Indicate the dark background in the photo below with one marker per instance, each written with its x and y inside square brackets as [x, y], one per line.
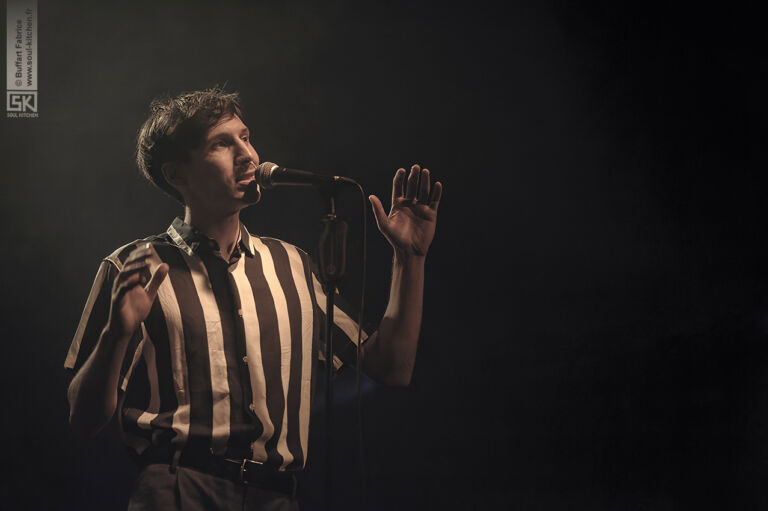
[595, 320]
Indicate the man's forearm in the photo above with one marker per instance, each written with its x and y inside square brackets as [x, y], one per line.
[93, 392]
[389, 356]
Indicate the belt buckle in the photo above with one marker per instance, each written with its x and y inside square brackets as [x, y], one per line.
[243, 464]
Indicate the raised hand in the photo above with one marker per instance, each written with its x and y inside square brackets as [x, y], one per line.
[132, 295]
[410, 225]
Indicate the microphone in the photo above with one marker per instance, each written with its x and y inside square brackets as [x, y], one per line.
[269, 175]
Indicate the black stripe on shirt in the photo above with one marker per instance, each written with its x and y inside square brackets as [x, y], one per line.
[195, 348]
[157, 329]
[285, 277]
[136, 401]
[270, 352]
[219, 277]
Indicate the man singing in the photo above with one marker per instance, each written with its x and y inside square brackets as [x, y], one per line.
[205, 337]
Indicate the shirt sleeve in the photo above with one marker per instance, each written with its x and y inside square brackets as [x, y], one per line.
[94, 319]
[345, 328]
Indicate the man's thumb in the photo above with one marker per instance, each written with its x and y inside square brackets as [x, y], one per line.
[378, 210]
[157, 278]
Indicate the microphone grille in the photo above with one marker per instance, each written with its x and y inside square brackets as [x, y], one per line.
[265, 166]
[264, 173]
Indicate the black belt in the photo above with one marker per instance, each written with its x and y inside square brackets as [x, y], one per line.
[242, 471]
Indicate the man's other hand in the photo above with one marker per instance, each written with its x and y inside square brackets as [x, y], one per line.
[132, 295]
[410, 225]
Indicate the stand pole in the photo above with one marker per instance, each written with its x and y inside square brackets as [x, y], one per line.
[328, 398]
[332, 262]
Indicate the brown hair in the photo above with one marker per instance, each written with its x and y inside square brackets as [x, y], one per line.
[177, 125]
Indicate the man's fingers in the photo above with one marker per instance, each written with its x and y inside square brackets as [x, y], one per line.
[397, 184]
[139, 268]
[141, 252]
[142, 263]
[378, 211]
[437, 192]
[157, 278]
[424, 187]
[413, 181]
[126, 285]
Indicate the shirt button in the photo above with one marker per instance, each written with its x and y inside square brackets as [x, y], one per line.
[252, 407]
[245, 359]
[240, 312]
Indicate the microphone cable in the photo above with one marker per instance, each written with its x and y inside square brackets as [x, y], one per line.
[358, 363]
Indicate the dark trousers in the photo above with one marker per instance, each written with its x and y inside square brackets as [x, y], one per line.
[158, 489]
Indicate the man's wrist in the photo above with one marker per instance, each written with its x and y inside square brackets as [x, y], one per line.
[408, 259]
[115, 334]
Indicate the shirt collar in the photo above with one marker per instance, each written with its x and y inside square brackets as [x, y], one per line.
[190, 239]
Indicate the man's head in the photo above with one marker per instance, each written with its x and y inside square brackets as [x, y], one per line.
[196, 148]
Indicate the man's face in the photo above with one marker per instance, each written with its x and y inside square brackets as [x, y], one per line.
[218, 173]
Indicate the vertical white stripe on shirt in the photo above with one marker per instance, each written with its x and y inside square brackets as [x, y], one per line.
[136, 357]
[172, 314]
[154, 389]
[307, 330]
[255, 365]
[284, 331]
[216, 357]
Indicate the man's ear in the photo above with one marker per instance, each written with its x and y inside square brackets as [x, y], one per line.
[172, 173]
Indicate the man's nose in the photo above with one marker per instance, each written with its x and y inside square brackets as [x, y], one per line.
[246, 153]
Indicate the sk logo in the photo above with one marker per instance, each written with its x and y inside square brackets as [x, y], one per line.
[22, 101]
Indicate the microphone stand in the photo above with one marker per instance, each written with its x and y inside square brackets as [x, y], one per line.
[332, 262]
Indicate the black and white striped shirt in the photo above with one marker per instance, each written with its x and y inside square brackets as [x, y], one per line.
[225, 360]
